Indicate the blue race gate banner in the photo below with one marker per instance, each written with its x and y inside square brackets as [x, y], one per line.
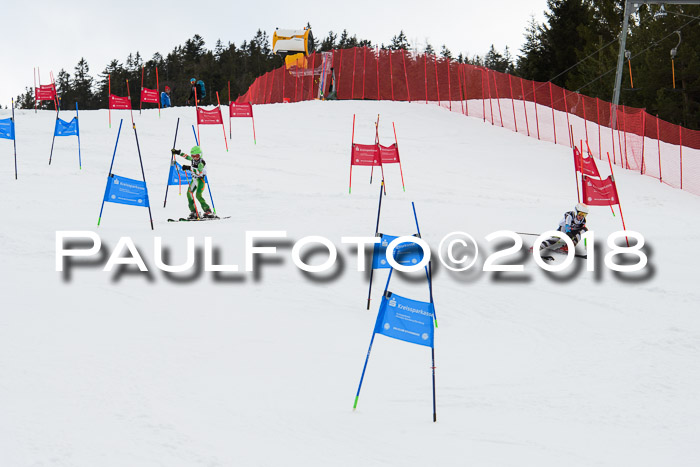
[406, 254]
[7, 128]
[178, 176]
[405, 319]
[64, 128]
[122, 190]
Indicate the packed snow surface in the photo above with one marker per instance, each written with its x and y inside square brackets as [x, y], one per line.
[141, 369]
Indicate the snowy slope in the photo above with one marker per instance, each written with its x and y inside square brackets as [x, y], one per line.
[201, 369]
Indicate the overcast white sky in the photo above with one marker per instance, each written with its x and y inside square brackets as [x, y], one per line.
[56, 34]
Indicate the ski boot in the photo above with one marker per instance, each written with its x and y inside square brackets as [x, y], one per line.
[192, 216]
[209, 214]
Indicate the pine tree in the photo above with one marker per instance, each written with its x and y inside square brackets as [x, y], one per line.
[399, 42]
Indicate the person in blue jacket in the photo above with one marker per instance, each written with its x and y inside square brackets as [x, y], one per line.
[165, 98]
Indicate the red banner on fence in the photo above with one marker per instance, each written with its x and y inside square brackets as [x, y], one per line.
[209, 117]
[365, 154]
[389, 154]
[45, 92]
[589, 165]
[600, 192]
[240, 110]
[119, 103]
[149, 95]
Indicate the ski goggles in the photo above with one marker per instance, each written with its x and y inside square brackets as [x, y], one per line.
[582, 214]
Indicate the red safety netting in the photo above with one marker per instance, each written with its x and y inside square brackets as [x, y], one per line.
[209, 117]
[119, 103]
[149, 95]
[634, 139]
[45, 92]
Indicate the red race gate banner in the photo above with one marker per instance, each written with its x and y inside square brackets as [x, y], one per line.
[600, 192]
[389, 154]
[365, 154]
[149, 96]
[589, 165]
[240, 110]
[209, 117]
[119, 103]
[45, 92]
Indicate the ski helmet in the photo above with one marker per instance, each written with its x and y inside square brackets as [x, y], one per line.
[196, 151]
[192, 80]
[582, 209]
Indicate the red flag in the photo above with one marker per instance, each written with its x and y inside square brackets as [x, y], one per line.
[240, 110]
[119, 103]
[45, 92]
[209, 117]
[149, 96]
[389, 154]
[365, 154]
[589, 166]
[600, 192]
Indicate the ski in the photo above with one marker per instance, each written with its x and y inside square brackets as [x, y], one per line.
[182, 219]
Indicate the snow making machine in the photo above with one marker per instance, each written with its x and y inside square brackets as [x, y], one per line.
[292, 45]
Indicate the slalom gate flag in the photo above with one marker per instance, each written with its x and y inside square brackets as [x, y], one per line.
[64, 128]
[122, 190]
[7, 128]
[178, 176]
[240, 110]
[209, 117]
[119, 103]
[405, 319]
[600, 192]
[389, 154]
[406, 254]
[149, 96]
[365, 154]
[45, 92]
[589, 165]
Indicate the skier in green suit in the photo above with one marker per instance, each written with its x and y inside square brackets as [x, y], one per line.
[198, 171]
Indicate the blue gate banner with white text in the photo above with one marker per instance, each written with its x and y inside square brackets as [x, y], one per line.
[7, 128]
[405, 319]
[122, 190]
[406, 254]
[64, 128]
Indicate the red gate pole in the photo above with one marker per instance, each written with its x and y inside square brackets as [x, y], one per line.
[551, 102]
[537, 118]
[658, 142]
[566, 109]
[619, 205]
[141, 98]
[680, 135]
[512, 101]
[196, 109]
[222, 120]
[483, 97]
[352, 147]
[229, 109]
[522, 90]
[128, 91]
[397, 152]
[408, 91]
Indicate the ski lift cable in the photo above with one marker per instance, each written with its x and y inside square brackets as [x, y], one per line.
[655, 43]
